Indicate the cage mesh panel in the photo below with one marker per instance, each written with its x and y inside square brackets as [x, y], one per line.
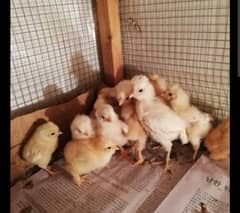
[185, 41]
[53, 52]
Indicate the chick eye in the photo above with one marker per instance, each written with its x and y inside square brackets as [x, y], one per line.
[127, 98]
[52, 133]
[79, 131]
[109, 147]
[140, 90]
[170, 94]
[102, 117]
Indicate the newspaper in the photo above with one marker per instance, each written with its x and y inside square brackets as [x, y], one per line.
[204, 184]
[120, 187]
[117, 188]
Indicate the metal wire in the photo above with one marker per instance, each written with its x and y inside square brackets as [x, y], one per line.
[53, 52]
[185, 41]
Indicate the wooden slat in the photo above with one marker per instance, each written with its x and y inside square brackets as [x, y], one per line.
[110, 38]
[23, 126]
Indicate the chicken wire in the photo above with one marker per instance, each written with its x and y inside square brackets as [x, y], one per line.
[184, 41]
[54, 52]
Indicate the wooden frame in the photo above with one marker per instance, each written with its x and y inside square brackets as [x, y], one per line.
[110, 39]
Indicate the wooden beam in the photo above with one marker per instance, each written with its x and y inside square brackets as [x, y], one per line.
[110, 39]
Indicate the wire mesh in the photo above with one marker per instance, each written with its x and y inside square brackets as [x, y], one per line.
[185, 41]
[53, 52]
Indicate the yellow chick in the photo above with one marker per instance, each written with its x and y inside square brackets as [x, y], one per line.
[84, 156]
[109, 125]
[82, 127]
[39, 149]
[218, 141]
[198, 122]
[136, 132]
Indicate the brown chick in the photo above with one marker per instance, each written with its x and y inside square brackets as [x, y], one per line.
[122, 91]
[218, 141]
[87, 155]
[160, 86]
[105, 96]
[136, 132]
[39, 149]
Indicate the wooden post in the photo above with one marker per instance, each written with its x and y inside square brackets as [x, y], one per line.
[110, 39]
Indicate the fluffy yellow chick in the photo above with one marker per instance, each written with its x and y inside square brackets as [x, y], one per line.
[218, 141]
[109, 125]
[40, 147]
[161, 123]
[84, 156]
[82, 127]
[136, 132]
[198, 123]
[160, 86]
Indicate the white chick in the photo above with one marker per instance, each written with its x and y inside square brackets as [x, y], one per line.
[198, 123]
[161, 122]
[110, 126]
[136, 132]
[82, 127]
[40, 147]
[84, 156]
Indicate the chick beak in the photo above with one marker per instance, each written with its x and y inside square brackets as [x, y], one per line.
[60, 133]
[117, 147]
[120, 102]
[108, 119]
[131, 95]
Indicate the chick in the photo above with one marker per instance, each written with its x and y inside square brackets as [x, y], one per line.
[136, 132]
[160, 86]
[218, 141]
[162, 123]
[122, 91]
[40, 147]
[82, 127]
[105, 96]
[198, 123]
[110, 126]
[86, 155]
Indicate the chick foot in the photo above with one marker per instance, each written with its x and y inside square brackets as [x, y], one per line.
[51, 172]
[167, 167]
[123, 154]
[139, 162]
[80, 179]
